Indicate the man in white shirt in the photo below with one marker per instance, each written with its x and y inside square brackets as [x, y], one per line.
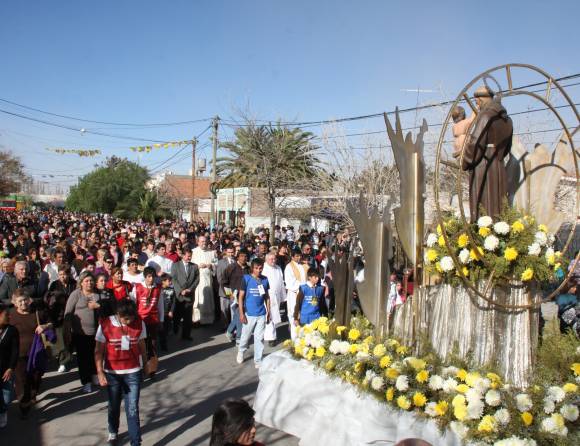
[159, 262]
[132, 275]
[52, 268]
[294, 276]
[277, 294]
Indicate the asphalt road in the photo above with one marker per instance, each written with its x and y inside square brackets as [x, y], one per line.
[176, 409]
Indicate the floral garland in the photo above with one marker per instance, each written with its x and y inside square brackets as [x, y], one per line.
[512, 247]
[475, 404]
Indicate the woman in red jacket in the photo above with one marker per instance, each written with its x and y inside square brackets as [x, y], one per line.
[120, 288]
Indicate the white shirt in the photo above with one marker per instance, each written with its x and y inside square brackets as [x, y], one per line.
[137, 278]
[160, 263]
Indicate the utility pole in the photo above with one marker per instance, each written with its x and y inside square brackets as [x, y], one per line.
[213, 216]
[193, 210]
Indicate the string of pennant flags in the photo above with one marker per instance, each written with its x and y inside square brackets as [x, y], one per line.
[79, 152]
[166, 145]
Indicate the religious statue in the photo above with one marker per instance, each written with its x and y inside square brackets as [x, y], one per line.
[487, 146]
[461, 126]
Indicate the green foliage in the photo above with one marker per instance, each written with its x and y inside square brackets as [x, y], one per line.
[115, 187]
[12, 173]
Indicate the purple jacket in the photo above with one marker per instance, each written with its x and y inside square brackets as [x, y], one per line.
[37, 356]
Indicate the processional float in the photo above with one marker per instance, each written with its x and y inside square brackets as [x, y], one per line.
[485, 320]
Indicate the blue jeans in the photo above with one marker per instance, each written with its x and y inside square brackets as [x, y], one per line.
[255, 325]
[7, 389]
[235, 324]
[128, 386]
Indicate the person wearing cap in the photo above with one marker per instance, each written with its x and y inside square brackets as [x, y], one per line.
[486, 148]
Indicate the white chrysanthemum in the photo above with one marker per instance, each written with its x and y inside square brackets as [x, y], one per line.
[436, 382]
[432, 240]
[475, 410]
[569, 411]
[317, 341]
[501, 227]
[377, 383]
[534, 249]
[515, 441]
[556, 394]
[541, 238]
[430, 409]
[523, 402]
[549, 406]
[402, 383]
[459, 429]
[491, 243]
[447, 264]
[549, 253]
[344, 347]
[554, 425]
[449, 371]
[502, 416]
[472, 395]
[484, 222]
[361, 356]
[334, 347]
[481, 385]
[464, 256]
[449, 385]
[369, 374]
[551, 239]
[493, 397]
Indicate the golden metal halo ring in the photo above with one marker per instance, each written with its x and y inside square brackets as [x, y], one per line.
[463, 96]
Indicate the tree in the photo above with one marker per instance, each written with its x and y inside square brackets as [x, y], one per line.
[278, 159]
[12, 173]
[151, 208]
[115, 187]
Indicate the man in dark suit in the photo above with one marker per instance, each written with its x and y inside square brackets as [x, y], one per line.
[225, 301]
[185, 275]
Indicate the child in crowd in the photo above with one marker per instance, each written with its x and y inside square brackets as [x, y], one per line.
[233, 423]
[168, 298]
[310, 301]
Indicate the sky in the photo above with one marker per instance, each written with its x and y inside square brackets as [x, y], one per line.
[146, 61]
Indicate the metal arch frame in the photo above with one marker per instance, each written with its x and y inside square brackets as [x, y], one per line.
[470, 286]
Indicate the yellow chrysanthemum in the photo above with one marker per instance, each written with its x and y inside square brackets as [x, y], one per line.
[340, 329]
[431, 255]
[419, 399]
[510, 254]
[471, 378]
[462, 388]
[543, 228]
[527, 418]
[441, 408]
[392, 373]
[458, 400]
[487, 424]
[441, 241]
[494, 377]
[302, 342]
[353, 349]
[390, 393]
[358, 367]
[298, 349]
[528, 274]
[385, 361]
[402, 350]
[439, 230]
[462, 240]
[570, 388]
[368, 340]
[403, 402]
[353, 334]
[484, 232]
[379, 351]
[416, 363]
[323, 328]
[551, 259]
[309, 354]
[422, 376]
[320, 352]
[392, 343]
[465, 271]
[314, 324]
[287, 343]
[575, 368]
[461, 374]
[438, 267]
[307, 329]
[330, 364]
[460, 411]
[517, 227]
[476, 253]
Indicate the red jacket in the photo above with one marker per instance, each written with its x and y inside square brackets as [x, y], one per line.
[147, 302]
[115, 358]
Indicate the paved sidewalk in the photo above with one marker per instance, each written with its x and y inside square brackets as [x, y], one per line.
[176, 409]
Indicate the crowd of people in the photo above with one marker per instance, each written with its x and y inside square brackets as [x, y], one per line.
[108, 296]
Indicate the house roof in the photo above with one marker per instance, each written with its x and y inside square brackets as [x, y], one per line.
[180, 186]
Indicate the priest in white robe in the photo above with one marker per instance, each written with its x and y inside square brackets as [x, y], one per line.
[203, 303]
[277, 294]
[294, 276]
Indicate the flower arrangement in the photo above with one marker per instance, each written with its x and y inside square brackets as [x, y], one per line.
[473, 403]
[512, 247]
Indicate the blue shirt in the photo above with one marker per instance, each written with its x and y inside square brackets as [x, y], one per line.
[253, 300]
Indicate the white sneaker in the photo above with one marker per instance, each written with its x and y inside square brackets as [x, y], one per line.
[3, 420]
[112, 438]
[61, 369]
[240, 357]
[87, 388]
